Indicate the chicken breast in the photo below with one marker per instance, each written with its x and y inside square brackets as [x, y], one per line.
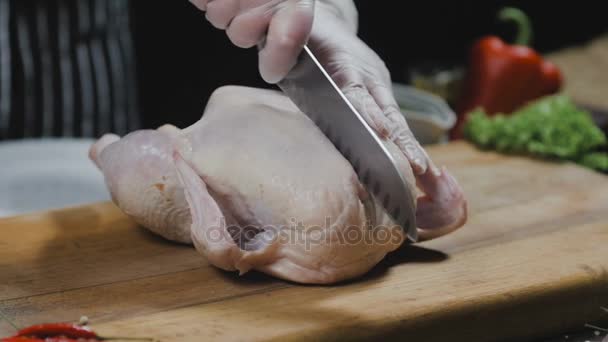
[255, 185]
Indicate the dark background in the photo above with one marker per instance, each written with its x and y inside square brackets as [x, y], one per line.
[182, 58]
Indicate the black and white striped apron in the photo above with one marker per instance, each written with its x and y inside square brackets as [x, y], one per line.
[66, 68]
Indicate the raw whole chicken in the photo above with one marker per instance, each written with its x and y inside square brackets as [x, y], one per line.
[255, 185]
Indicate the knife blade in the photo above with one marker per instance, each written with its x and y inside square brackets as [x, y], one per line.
[314, 92]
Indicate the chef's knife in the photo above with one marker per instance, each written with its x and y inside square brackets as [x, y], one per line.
[314, 92]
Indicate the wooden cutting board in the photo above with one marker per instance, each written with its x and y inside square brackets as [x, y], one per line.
[533, 259]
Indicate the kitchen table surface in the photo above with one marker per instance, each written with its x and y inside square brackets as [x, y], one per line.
[531, 261]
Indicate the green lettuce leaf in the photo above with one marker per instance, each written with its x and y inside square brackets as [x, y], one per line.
[552, 127]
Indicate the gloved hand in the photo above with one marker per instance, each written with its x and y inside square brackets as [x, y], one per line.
[364, 79]
[285, 24]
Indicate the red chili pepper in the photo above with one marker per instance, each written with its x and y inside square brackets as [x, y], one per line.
[62, 332]
[502, 77]
[68, 330]
[21, 339]
[54, 332]
[48, 339]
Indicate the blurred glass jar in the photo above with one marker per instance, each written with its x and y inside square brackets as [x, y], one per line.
[440, 79]
[428, 115]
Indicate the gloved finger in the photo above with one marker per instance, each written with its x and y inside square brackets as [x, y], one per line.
[200, 4]
[364, 103]
[248, 29]
[399, 131]
[288, 31]
[220, 12]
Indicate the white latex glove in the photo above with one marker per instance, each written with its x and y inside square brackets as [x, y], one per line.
[285, 24]
[363, 77]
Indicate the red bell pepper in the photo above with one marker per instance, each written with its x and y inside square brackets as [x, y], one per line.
[501, 78]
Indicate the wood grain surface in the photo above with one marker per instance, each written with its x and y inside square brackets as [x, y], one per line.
[585, 70]
[532, 260]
